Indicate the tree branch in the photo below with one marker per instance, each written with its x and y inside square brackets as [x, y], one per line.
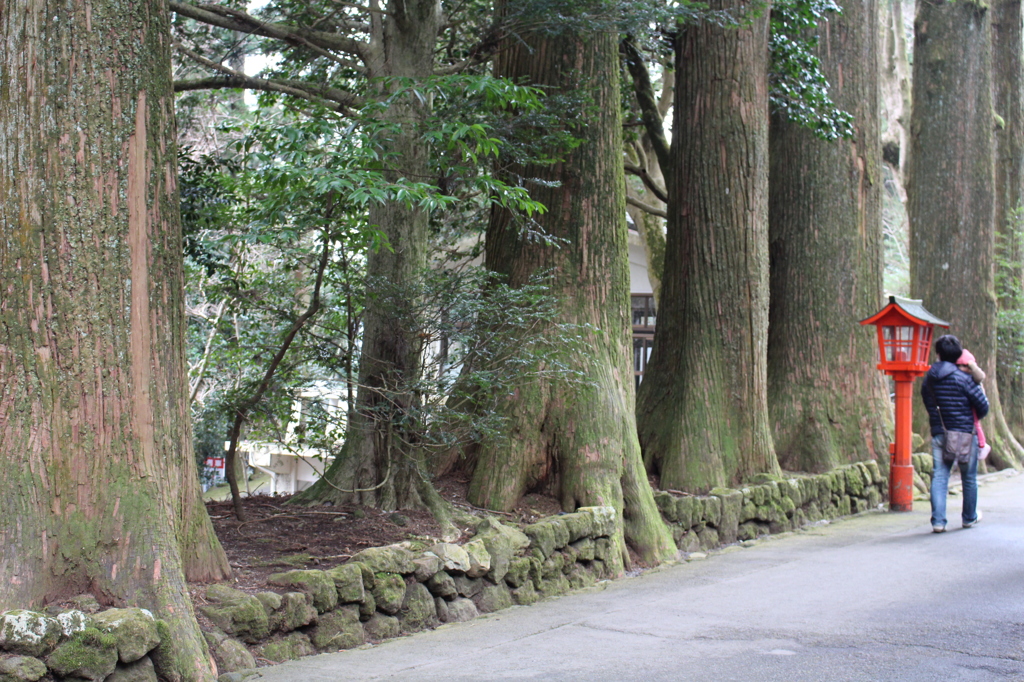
[661, 213]
[322, 95]
[649, 183]
[651, 115]
[320, 42]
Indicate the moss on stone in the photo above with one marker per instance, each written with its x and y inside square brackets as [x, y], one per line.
[317, 584]
[89, 654]
[388, 592]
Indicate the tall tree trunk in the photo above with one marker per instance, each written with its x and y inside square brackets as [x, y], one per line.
[951, 187]
[827, 402]
[99, 484]
[701, 409]
[1008, 96]
[575, 440]
[895, 85]
[377, 466]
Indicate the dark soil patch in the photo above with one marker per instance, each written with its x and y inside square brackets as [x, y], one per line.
[278, 537]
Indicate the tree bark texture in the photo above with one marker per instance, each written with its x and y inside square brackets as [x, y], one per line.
[702, 407]
[1008, 96]
[895, 85]
[828, 404]
[99, 484]
[575, 440]
[951, 189]
[378, 465]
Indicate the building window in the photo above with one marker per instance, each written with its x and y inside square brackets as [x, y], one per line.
[643, 333]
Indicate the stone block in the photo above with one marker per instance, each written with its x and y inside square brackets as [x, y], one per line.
[245, 618]
[453, 557]
[418, 611]
[709, 538]
[503, 543]
[731, 502]
[294, 612]
[518, 571]
[712, 511]
[666, 504]
[479, 558]
[367, 607]
[467, 587]
[141, 670]
[288, 648]
[72, 621]
[426, 566]
[525, 594]
[547, 535]
[381, 627]
[89, 655]
[220, 593]
[493, 598]
[578, 525]
[442, 585]
[338, 629]
[230, 654]
[134, 630]
[271, 601]
[390, 559]
[388, 592]
[748, 530]
[317, 584]
[21, 669]
[584, 549]
[29, 633]
[557, 585]
[348, 581]
[461, 610]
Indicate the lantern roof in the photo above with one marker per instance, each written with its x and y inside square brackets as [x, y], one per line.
[909, 309]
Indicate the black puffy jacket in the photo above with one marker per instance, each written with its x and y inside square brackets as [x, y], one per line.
[956, 394]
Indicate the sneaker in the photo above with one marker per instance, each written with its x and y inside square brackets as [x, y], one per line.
[940, 529]
[975, 522]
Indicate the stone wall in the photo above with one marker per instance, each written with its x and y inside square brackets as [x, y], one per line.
[772, 504]
[385, 592]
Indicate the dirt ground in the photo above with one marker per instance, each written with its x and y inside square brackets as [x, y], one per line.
[276, 536]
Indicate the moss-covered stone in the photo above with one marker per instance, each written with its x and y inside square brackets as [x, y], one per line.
[554, 586]
[688, 510]
[689, 542]
[518, 571]
[731, 503]
[72, 621]
[219, 593]
[141, 670]
[553, 565]
[86, 603]
[288, 648]
[709, 538]
[748, 530]
[294, 612]
[368, 606]
[29, 633]
[271, 601]
[712, 511]
[605, 520]
[547, 536]
[525, 594]
[479, 558]
[89, 654]
[666, 503]
[873, 497]
[493, 598]
[605, 550]
[381, 627]
[21, 669]
[453, 557]
[389, 592]
[503, 544]
[442, 585]
[317, 584]
[426, 566]
[390, 559]
[578, 524]
[418, 611]
[348, 581]
[134, 630]
[338, 629]
[230, 654]
[245, 618]
[467, 587]
[584, 549]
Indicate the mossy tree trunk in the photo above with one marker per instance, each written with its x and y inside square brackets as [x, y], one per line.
[99, 482]
[378, 465]
[702, 408]
[1008, 95]
[951, 190]
[828, 403]
[574, 440]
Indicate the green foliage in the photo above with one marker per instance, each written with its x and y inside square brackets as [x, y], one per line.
[798, 88]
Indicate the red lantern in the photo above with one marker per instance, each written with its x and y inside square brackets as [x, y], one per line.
[904, 344]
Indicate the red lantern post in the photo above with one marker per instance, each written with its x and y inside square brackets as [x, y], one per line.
[904, 342]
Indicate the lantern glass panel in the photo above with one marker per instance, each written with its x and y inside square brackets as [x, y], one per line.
[898, 343]
[924, 344]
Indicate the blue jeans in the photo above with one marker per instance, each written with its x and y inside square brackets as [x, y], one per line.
[940, 483]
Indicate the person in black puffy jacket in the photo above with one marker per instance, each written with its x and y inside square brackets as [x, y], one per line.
[952, 399]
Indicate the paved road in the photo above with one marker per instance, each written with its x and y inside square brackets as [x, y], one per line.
[877, 597]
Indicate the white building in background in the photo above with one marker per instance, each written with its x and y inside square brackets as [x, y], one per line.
[293, 468]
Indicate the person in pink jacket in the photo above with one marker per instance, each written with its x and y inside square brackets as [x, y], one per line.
[968, 364]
